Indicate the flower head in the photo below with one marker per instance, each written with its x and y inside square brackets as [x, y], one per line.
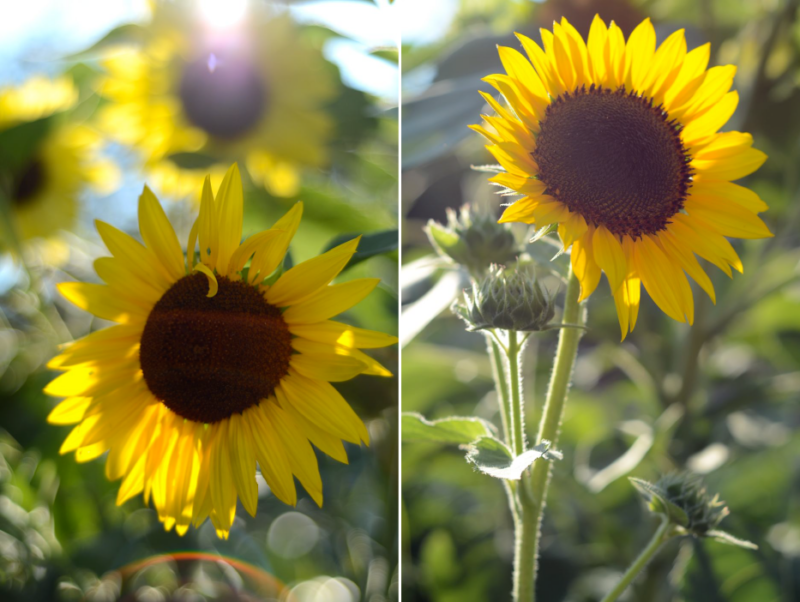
[257, 93]
[213, 367]
[474, 239]
[47, 161]
[683, 500]
[509, 299]
[618, 144]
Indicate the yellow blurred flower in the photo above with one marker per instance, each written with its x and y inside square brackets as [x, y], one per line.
[212, 367]
[254, 93]
[44, 189]
[617, 143]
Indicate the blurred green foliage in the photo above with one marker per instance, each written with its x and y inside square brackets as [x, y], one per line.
[719, 398]
[62, 537]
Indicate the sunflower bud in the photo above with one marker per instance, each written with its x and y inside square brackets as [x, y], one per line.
[473, 239]
[509, 299]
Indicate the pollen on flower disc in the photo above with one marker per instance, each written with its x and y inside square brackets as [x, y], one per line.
[225, 95]
[208, 358]
[614, 158]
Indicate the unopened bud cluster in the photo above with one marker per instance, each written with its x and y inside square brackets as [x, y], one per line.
[689, 493]
[684, 499]
[509, 299]
[474, 239]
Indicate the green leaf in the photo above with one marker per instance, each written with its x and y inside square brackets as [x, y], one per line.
[18, 144]
[458, 430]
[727, 538]
[659, 503]
[375, 243]
[192, 160]
[494, 458]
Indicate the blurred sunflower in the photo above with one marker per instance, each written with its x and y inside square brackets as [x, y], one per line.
[43, 182]
[617, 143]
[231, 93]
[213, 366]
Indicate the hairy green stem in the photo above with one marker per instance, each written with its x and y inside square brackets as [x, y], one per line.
[518, 420]
[533, 489]
[498, 372]
[647, 554]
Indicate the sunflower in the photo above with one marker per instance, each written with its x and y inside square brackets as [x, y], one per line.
[256, 94]
[617, 143]
[44, 187]
[213, 366]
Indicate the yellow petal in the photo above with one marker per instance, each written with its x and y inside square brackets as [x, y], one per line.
[221, 485]
[322, 405]
[541, 63]
[626, 300]
[711, 120]
[342, 334]
[303, 461]
[99, 300]
[526, 78]
[584, 265]
[327, 366]
[727, 191]
[689, 79]
[609, 256]
[271, 455]
[731, 168]
[520, 211]
[660, 278]
[124, 284]
[213, 285]
[116, 341]
[330, 301]
[230, 212]
[639, 54]
[729, 219]
[310, 276]
[269, 257]
[686, 259]
[191, 244]
[249, 247]
[572, 229]
[598, 33]
[158, 234]
[315, 348]
[325, 441]
[243, 461]
[207, 229]
[69, 411]
[709, 245]
[135, 257]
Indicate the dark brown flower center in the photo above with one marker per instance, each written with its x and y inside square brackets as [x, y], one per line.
[613, 158]
[208, 358]
[223, 94]
[27, 182]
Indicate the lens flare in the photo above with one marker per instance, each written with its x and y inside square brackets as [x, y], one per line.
[223, 14]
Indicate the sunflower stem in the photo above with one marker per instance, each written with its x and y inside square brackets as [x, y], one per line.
[498, 372]
[518, 421]
[647, 554]
[533, 487]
